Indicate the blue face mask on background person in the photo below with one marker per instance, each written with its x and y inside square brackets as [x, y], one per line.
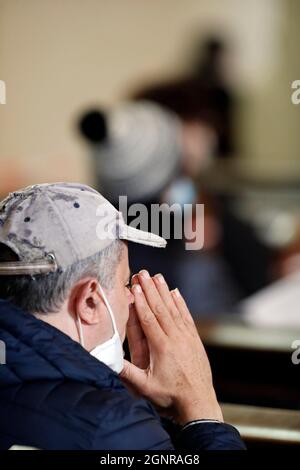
[181, 191]
[111, 351]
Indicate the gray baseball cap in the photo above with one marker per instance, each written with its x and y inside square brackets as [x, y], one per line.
[52, 226]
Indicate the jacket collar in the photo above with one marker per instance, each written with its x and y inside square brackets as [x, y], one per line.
[36, 350]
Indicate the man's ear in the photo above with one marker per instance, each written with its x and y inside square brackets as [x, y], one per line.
[86, 302]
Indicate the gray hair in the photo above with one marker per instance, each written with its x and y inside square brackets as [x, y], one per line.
[46, 293]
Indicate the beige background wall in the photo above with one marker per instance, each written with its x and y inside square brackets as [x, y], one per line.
[58, 56]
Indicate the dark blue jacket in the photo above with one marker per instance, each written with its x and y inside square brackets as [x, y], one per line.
[55, 395]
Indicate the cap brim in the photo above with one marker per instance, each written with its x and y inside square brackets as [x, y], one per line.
[44, 266]
[139, 236]
[18, 268]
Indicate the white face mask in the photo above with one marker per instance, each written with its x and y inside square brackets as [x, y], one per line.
[111, 351]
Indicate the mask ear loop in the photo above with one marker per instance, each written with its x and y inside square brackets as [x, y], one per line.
[112, 317]
[79, 324]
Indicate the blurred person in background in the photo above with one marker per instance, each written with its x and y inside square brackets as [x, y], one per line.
[149, 154]
[203, 98]
[205, 101]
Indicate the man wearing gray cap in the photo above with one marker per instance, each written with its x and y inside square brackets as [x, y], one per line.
[66, 306]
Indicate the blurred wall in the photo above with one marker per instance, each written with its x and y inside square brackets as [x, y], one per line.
[271, 137]
[58, 56]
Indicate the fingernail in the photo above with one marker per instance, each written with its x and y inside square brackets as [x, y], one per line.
[176, 292]
[160, 278]
[145, 274]
[137, 289]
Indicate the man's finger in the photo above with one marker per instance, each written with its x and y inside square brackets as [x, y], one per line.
[182, 307]
[150, 326]
[167, 298]
[134, 279]
[137, 342]
[155, 302]
[134, 376]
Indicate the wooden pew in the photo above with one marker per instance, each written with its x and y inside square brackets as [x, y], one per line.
[252, 366]
[264, 427]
